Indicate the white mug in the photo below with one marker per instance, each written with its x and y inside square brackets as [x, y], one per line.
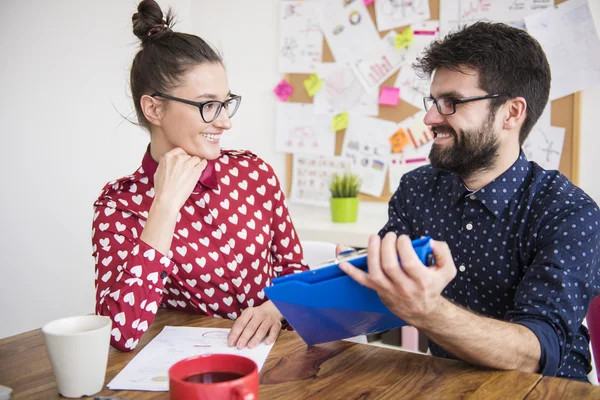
[78, 349]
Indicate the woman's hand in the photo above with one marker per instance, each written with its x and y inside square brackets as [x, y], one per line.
[254, 324]
[176, 177]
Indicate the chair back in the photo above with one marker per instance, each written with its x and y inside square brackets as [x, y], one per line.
[593, 324]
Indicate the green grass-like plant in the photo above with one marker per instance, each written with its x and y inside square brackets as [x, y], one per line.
[345, 185]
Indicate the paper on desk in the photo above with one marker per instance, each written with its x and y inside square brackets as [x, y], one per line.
[571, 43]
[149, 370]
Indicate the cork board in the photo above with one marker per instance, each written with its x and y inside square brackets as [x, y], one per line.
[565, 113]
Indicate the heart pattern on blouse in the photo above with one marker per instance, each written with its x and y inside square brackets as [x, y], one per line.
[227, 244]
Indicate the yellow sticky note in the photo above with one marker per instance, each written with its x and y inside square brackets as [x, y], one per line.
[403, 39]
[313, 84]
[340, 122]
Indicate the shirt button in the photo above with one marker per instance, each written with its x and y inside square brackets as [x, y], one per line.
[163, 275]
[462, 268]
[469, 226]
[472, 197]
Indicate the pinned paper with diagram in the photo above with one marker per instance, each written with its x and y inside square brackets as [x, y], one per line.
[457, 13]
[570, 40]
[341, 92]
[419, 133]
[379, 63]
[395, 13]
[544, 146]
[311, 176]
[300, 131]
[406, 161]
[412, 87]
[366, 144]
[301, 40]
[348, 28]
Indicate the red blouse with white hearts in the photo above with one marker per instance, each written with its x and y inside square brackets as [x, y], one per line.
[232, 236]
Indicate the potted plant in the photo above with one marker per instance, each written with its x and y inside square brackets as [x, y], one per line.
[344, 200]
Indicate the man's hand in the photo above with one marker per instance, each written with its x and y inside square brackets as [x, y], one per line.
[254, 324]
[411, 291]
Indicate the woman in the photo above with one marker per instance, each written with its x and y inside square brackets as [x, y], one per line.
[195, 228]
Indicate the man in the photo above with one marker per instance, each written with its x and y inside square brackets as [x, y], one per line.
[525, 240]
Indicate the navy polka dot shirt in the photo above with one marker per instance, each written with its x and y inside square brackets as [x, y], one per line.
[526, 248]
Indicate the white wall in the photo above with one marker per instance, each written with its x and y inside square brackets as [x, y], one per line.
[590, 143]
[64, 81]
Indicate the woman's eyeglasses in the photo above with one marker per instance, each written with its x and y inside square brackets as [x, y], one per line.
[209, 110]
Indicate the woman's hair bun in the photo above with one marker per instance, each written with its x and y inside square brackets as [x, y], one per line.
[148, 21]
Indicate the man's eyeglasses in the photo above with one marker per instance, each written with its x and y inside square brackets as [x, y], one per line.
[209, 110]
[447, 105]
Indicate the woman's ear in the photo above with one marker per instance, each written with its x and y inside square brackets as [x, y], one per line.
[152, 109]
[516, 113]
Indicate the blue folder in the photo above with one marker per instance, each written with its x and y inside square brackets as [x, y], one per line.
[326, 304]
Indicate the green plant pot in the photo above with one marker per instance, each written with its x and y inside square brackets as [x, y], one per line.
[344, 209]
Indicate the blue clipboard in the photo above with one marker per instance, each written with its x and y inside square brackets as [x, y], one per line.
[325, 304]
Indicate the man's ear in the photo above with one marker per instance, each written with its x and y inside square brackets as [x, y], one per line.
[153, 109]
[516, 112]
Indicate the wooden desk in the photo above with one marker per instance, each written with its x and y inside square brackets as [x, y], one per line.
[334, 370]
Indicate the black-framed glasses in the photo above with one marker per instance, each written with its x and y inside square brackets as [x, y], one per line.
[447, 105]
[209, 110]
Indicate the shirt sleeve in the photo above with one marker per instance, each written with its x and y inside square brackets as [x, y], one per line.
[553, 297]
[129, 275]
[286, 248]
[397, 213]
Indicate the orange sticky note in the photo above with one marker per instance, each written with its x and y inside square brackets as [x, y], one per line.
[399, 140]
[340, 122]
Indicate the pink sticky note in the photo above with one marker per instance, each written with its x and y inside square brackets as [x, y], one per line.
[367, 2]
[283, 90]
[389, 96]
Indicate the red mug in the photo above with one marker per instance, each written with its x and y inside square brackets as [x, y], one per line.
[214, 376]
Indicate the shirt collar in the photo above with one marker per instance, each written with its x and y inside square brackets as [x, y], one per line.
[496, 195]
[208, 178]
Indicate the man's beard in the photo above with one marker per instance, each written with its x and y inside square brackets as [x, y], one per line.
[472, 152]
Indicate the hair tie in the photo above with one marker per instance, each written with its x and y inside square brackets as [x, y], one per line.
[157, 28]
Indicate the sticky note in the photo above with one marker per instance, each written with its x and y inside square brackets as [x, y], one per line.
[402, 40]
[313, 84]
[367, 2]
[340, 122]
[389, 96]
[399, 140]
[283, 90]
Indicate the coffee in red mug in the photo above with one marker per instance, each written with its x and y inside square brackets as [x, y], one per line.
[214, 376]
